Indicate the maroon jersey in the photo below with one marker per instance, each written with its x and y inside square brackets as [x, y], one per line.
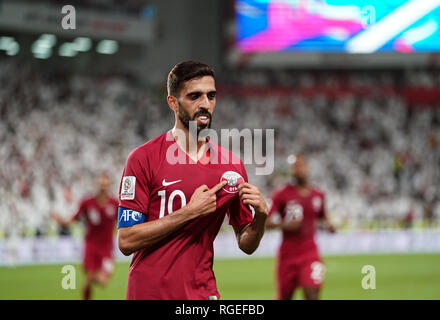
[100, 223]
[290, 204]
[154, 185]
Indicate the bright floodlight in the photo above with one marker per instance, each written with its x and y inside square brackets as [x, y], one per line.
[5, 42]
[43, 54]
[12, 49]
[291, 159]
[82, 44]
[107, 47]
[48, 39]
[67, 49]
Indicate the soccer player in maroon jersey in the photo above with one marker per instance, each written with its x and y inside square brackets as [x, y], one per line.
[295, 209]
[170, 213]
[99, 214]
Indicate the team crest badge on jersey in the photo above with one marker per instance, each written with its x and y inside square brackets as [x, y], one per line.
[234, 180]
[317, 203]
[128, 187]
[110, 211]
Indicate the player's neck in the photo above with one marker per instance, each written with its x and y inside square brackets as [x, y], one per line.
[302, 186]
[193, 147]
[101, 197]
[303, 190]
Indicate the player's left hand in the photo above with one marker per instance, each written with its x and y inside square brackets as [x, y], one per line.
[331, 228]
[250, 195]
[55, 216]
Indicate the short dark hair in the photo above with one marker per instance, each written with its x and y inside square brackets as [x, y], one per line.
[184, 71]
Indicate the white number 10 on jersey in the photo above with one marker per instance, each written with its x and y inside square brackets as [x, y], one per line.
[163, 202]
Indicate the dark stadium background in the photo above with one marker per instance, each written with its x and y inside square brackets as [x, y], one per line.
[74, 102]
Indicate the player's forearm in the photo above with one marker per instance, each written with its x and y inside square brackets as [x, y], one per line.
[65, 223]
[144, 235]
[250, 236]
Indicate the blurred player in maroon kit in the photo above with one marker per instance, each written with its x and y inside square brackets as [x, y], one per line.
[295, 209]
[170, 213]
[99, 214]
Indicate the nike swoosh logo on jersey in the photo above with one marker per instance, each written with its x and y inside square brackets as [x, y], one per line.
[164, 183]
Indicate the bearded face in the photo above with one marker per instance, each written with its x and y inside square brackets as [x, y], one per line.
[196, 102]
[202, 117]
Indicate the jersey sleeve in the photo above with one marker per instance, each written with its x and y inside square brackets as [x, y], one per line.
[81, 211]
[134, 191]
[274, 204]
[322, 213]
[276, 207]
[240, 214]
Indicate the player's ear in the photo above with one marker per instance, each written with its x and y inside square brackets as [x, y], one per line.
[172, 103]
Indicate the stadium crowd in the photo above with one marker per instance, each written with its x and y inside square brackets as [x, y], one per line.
[373, 148]
[372, 137]
[57, 132]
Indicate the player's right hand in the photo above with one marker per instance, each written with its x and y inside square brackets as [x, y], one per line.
[204, 200]
[55, 216]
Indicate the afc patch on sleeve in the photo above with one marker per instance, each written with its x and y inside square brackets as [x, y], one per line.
[128, 217]
[128, 187]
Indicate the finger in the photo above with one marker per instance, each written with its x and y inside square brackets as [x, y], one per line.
[249, 192]
[248, 186]
[244, 185]
[203, 187]
[253, 203]
[218, 186]
[246, 191]
[250, 197]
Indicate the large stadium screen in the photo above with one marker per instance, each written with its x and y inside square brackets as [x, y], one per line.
[352, 26]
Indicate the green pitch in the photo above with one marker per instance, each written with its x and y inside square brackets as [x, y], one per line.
[414, 276]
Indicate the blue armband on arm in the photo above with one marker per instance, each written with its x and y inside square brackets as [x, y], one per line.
[128, 217]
